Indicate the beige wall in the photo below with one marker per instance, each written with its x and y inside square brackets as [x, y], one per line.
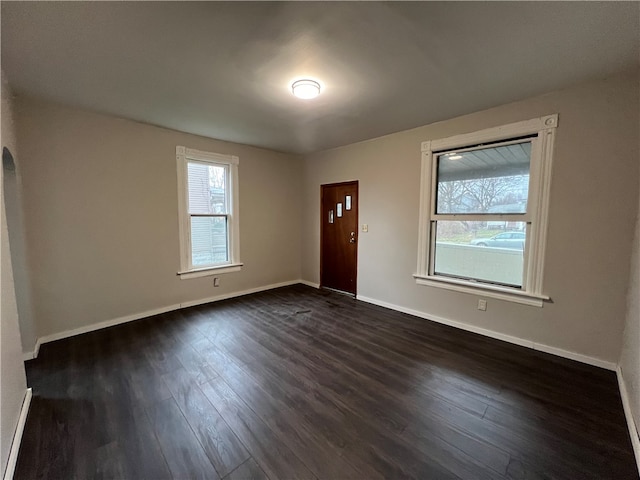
[593, 209]
[101, 218]
[630, 357]
[15, 225]
[12, 377]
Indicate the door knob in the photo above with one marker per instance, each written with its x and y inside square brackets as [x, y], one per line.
[353, 237]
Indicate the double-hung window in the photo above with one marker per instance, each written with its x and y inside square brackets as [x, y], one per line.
[208, 213]
[483, 214]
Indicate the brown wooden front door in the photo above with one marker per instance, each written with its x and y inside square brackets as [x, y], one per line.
[339, 236]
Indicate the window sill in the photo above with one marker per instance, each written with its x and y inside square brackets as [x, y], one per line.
[205, 272]
[492, 291]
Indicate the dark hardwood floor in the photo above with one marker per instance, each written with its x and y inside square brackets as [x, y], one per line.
[297, 383]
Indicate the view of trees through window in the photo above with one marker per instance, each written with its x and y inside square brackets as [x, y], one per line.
[489, 182]
[481, 197]
[498, 195]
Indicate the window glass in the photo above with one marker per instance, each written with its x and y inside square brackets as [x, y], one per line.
[209, 244]
[474, 251]
[207, 188]
[486, 180]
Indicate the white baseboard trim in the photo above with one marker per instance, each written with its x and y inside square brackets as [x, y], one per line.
[34, 354]
[499, 336]
[226, 296]
[633, 429]
[464, 326]
[104, 324]
[17, 436]
[578, 357]
[148, 313]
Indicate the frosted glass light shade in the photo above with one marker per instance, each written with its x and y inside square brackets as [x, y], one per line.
[305, 89]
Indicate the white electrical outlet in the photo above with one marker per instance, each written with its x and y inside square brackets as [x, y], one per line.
[482, 305]
[216, 281]
[365, 227]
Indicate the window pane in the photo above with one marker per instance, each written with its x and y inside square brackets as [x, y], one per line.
[206, 188]
[484, 181]
[209, 241]
[481, 251]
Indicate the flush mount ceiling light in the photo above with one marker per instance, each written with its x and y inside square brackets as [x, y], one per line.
[305, 88]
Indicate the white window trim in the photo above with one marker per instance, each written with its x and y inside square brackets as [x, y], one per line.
[537, 210]
[183, 155]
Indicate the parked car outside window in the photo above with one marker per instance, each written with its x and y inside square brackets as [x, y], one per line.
[514, 240]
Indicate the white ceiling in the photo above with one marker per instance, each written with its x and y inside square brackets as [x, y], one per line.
[222, 69]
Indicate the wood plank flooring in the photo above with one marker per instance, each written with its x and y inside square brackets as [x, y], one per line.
[297, 383]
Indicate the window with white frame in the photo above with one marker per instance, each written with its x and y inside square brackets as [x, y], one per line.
[483, 212]
[208, 213]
